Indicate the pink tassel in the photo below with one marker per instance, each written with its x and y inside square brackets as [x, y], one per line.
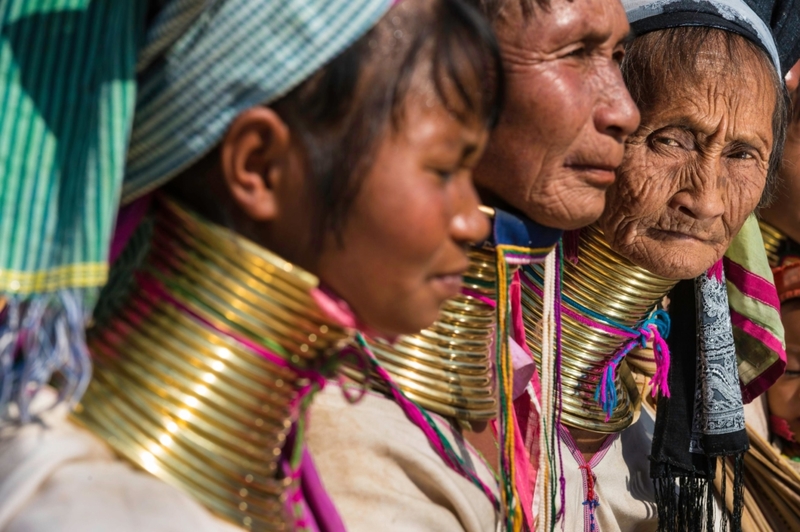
[659, 382]
[716, 271]
[781, 428]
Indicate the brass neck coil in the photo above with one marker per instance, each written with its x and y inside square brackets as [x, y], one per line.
[195, 407]
[610, 285]
[447, 368]
[773, 240]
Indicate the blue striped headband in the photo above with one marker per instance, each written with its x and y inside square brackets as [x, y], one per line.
[236, 55]
[729, 15]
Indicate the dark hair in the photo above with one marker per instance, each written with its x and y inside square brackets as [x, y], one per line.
[491, 8]
[342, 112]
[654, 60]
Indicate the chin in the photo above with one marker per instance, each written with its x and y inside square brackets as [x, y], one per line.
[671, 260]
[412, 323]
[568, 220]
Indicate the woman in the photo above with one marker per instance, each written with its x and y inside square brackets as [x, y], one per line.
[693, 173]
[300, 153]
[562, 108]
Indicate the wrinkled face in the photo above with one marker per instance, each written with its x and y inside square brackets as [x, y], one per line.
[694, 170]
[403, 247]
[566, 113]
[784, 396]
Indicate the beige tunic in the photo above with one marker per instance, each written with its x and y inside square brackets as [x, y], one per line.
[57, 477]
[623, 487]
[383, 475]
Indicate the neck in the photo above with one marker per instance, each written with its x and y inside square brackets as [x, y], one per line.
[447, 367]
[612, 287]
[199, 376]
[587, 441]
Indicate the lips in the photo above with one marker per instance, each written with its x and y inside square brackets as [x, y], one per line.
[702, 237]
[448, 283]
[597, 172]
[680, 235]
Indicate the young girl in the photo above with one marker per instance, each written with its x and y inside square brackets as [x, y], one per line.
[320, 155]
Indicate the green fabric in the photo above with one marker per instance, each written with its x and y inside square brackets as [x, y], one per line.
[757, 360]
[747, 250]
[67, 94]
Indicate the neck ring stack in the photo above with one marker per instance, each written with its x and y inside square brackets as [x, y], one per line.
[183, 386]
[606, 284]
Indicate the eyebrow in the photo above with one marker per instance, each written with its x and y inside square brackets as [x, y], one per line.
[625, 41]
[600, 37]
[692, 126]
[469, 148]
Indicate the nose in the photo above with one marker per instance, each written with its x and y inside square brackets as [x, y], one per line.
[469, 225]
[704, 199]
[616, 115]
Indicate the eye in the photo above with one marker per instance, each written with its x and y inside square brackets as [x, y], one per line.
[743, 151]
[666, 141]
[445, 175]
[741, 155]
[791, 374]
[579, 50]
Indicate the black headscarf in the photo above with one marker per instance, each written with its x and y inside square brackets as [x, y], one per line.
[783, 17]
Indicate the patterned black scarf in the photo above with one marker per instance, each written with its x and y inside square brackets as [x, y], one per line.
[701, 426]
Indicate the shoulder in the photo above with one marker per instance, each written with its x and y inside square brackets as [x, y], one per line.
[57, 477]
[383, 474]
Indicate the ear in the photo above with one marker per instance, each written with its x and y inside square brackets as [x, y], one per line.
[255, 159]
[793, 78]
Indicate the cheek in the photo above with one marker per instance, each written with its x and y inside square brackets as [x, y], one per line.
[550, 105]
[640, 193]
[409, 217]
[744, 190]
[394, 231]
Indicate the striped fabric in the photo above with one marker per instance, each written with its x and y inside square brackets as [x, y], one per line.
[240, 53]
[755, 312]
[67, 96]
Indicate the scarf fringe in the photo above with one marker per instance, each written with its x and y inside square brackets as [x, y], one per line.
[686, 501]
[42, 341]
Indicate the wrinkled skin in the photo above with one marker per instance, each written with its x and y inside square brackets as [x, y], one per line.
[693, 171]
[566, 115]
[784, 396]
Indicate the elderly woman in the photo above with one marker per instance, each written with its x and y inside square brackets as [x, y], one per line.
[704, 157]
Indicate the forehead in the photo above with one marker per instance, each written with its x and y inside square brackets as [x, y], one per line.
[708, 87]
[579, 19]
[425, 116]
